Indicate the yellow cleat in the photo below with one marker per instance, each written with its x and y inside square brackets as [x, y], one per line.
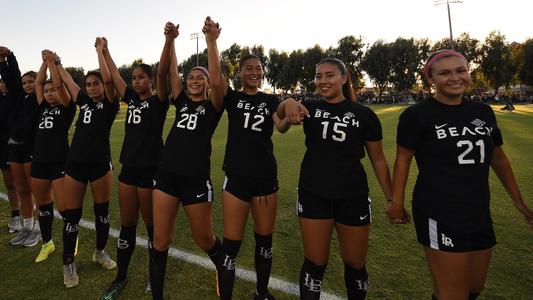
[47, 249]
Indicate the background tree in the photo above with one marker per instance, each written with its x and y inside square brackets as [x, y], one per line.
[377, 63]
[526, 67]
[405, 62]
[276, 61]
[292, 71]
[497, 64]
[350, 51]
[78, 75]
[311, 57]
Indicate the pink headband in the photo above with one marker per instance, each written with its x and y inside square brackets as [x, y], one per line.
[445, 53]
[204, 70]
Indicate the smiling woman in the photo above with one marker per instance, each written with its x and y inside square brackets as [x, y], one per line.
[454, 141]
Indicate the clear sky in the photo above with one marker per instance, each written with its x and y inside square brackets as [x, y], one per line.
[134, 28]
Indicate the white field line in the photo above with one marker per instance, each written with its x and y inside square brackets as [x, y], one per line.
[244, 274]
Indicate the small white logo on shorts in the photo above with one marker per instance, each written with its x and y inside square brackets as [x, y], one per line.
[446, 241]
[299, 207]
[199, 196]
[154, 182]
[363, 217]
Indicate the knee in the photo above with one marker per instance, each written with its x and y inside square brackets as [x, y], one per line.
[204, 240]
[356, 263]
[161, 243]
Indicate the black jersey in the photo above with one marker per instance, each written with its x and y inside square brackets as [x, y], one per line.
[90, 143]
[453, 147]
[24, 113]
[5, 101]
[51, 139]
[143, 141]
[249, 148]
[335, 136]
[188, 146]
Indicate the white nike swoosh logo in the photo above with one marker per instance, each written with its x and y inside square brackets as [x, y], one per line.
[198, 196]
[362, 218]
[439, 127]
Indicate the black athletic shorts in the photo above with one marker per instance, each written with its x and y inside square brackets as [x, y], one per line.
[187, 190]
[245, 188]
[20, 153]
[450, 238]
[4, 156]
[348, 211]
[48, 171]
[141, 177]
[87, 172]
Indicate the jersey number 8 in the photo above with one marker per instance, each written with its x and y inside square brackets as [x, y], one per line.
[87, 116]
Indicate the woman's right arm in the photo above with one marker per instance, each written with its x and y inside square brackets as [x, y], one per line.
[118, 82]
[174, 77]
[395, 208]
[104, 71]
[72, 87]
[164, 61]
[39, 81]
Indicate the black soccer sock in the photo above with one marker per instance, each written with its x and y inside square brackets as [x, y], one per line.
[356, 281]
[433, 297]
[158, 267]
[101, 214]
[150, 232]
[46, 219]
[473, 296]
[125, 246]
[71, 222]
[15, 213]
[263, 261]
[226, 272]
[311, 280]
[215, 251]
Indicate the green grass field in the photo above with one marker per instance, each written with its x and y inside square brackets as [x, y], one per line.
[396, 264]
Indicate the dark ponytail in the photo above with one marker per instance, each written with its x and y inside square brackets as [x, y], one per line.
[347, 90]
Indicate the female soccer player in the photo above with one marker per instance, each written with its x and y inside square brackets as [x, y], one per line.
[184, 173]
[454, 142]
[333, 189]
[251, 175]
[22, 123]
[7, 100]
[89, 160]
[51, 148]
[140, 156]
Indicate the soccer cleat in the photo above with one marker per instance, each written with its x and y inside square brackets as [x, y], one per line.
[114, 290]
[20, 237]
[148, 288]
[14, 224]
[266, 296]
[70, 277]
[33, 238]
[46, 250]
[101, 257]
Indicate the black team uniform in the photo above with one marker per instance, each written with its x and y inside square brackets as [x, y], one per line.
[453, 147]
[89, 159]
[184, 171]
[333, 182]
[50, 153]
[140, 156]
[251, 171]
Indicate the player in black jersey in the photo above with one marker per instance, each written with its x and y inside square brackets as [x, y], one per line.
[6, 100]
[251, 175]
[333, 189]
[183, 176]
[89, 161]
[140, 157]
[51, 148]
[454, 142]
[22, 123]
